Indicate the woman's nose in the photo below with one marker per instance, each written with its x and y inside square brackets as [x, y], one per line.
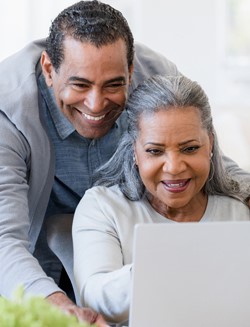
[174, 164]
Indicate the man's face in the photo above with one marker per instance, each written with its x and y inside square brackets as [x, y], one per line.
[91, 85]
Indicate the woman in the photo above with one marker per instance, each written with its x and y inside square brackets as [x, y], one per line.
[167, 168]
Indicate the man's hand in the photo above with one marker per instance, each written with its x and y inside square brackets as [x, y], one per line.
[60, 300]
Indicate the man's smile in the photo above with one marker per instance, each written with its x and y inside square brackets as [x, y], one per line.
[89, 117]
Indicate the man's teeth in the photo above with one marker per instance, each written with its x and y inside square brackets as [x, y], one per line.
[92, 117]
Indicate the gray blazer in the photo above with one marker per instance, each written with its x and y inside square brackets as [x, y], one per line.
[27, 163]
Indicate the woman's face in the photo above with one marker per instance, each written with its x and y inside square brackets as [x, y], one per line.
[173, 157]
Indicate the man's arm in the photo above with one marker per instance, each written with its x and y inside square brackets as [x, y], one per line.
[18, 266]
[233, 168]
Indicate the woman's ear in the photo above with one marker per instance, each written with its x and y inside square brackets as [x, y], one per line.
[47, 68]
[211, 139]
[135, 158]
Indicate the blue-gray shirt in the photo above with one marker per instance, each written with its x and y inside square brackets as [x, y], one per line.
[76, 156]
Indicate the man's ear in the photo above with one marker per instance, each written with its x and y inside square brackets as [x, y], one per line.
[47, 68]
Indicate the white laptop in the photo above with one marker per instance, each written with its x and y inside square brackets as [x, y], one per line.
[191, 275]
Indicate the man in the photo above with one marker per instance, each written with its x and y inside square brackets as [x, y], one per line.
[61, 116]
[61, 105]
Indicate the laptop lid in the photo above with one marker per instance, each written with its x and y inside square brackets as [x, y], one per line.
[191, 275]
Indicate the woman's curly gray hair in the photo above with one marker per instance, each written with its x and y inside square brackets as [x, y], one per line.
[161, 93]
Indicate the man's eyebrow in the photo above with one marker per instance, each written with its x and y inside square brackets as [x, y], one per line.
[116, 79]
[84, 80]
[79, 79]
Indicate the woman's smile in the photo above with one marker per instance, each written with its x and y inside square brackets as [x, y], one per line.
[176, 186]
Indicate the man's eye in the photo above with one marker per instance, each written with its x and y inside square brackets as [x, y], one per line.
[79, 85]
[115, 86]
[190, 149]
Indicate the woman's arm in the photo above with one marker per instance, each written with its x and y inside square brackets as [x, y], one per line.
[101, 276]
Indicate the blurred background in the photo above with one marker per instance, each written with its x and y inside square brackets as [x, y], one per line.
[208, 40]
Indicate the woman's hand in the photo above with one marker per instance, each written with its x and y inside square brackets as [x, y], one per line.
[60, 300]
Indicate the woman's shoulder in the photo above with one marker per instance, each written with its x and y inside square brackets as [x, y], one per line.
[106, 198]
[104, 191]
[112, 202]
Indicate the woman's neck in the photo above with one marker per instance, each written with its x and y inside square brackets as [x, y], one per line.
[192, 212]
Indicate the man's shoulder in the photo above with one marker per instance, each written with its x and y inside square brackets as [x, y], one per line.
[17, 67]
[18, 78]
[230, 208]
[148, 62]
[145, 53]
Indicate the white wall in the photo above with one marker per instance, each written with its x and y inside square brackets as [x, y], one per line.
[186, 32]
[190, 34]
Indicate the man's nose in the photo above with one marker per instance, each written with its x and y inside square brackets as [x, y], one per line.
[95, 101]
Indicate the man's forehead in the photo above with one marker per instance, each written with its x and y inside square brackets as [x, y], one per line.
[83, 59]
[70, 43]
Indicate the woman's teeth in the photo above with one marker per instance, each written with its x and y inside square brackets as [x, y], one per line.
[176, 185]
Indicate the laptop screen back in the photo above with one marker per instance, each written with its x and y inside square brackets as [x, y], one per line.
[191, 275]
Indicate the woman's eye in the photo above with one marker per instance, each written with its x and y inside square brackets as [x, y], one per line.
[190, 149]
[154, 151]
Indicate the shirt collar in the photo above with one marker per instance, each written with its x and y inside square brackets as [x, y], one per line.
[62, 124]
